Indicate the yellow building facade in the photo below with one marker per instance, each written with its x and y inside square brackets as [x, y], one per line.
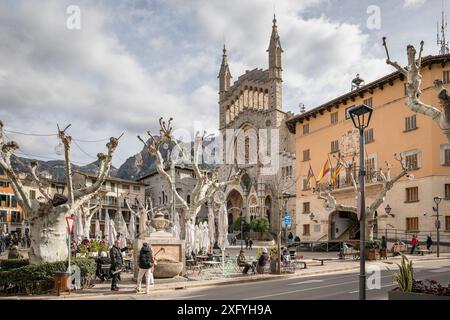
[323, 132]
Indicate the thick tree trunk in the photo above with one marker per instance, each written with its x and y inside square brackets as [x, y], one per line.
[49, 233]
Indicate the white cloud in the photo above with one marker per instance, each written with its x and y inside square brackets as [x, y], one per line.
[134, 61]
[86, 77]
[320, 58]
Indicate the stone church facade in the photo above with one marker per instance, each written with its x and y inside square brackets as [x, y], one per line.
[253, 126]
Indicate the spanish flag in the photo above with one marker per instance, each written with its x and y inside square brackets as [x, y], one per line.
[336, 171]
[310, 175]
[324, 171]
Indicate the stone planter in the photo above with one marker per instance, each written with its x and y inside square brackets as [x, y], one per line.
[167, 269]
[400, 295]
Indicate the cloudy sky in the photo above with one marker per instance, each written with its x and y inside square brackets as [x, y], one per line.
[134, 61]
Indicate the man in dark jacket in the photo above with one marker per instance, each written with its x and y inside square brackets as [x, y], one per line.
[115, 254]
[145, 267]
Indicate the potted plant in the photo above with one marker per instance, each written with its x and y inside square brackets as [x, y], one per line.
[273, 252]
[409, 289]
[371, 252]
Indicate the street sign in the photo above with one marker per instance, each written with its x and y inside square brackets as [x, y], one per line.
[358, 201]
[70, 222]
[287, 219]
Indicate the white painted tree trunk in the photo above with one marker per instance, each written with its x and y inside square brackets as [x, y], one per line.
[48, 234]
[47, 218]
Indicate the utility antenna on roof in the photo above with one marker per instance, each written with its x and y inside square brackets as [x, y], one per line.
[442, 41]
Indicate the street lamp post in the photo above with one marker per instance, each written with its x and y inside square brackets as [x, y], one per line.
[285, 225]
[437, 200]
[387, 209]
[361, 118]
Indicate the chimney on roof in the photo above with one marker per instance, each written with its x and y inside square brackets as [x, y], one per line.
[301, 105]
[357, 82]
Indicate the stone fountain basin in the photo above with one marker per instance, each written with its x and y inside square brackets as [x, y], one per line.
[167, 269]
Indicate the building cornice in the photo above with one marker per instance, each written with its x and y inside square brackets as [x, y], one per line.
[370, 88]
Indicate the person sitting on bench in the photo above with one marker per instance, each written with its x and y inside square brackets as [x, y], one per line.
[242, 262]
[263, 260]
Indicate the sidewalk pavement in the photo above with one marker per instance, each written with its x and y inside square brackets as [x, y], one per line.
[127, 285]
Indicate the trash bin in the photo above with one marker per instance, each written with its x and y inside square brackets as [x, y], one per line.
[61, 280]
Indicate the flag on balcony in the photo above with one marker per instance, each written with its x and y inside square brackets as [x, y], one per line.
[310, 175]
[336, 171]
[324, 171]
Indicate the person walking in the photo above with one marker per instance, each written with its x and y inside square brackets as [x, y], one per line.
[250, 243]
[290, 237]
[414, 243]
[246, 243]
[383, 243]
[146, 262]
[429, 242]
[115, 254]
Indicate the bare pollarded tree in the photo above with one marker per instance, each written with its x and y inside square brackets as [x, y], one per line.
[206, 183]
[330, 202]
[413, 92]
[47, 216]
[144, 212]
[88, 211]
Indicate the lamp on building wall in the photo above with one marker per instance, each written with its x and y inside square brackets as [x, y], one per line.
[388, 209]
[312, 216]
[60, 188]
[361, 118]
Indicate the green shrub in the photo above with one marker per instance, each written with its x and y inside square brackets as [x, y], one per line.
[260, 225]
[39, 278]
[13, 264]
[236, 226]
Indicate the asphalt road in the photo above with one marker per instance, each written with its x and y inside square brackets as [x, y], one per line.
[337, 286]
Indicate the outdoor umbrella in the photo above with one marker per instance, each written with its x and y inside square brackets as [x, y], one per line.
[106, 231]
[78, 229]
[190, 237]
[197, 239]
[112, 235]
[176, 226]
[205, 238]
[211, 225]
[98, 232]
[132, 227]
[123, 231]
[223, 231]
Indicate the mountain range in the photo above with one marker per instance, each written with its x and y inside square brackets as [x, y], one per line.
[133, 168]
